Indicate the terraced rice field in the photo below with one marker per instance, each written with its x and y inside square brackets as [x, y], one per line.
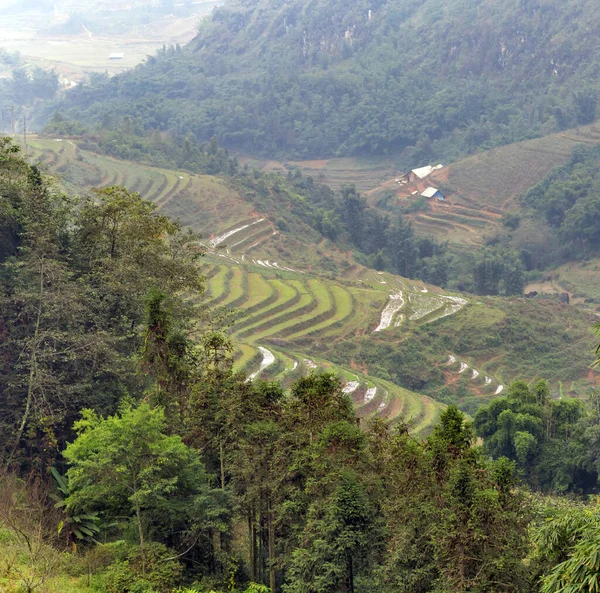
[202, 202]
[481, 188]
[282, 316]
[363, 172]
[291, 316]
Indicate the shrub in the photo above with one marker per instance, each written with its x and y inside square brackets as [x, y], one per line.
[144, 570]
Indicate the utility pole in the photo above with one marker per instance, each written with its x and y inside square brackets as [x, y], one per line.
[12, 120]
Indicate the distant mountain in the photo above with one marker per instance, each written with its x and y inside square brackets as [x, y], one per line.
[428, 79]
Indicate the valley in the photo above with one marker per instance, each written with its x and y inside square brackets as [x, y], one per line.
[299, 296]
[76, 39]
[299, 306]
[479, 189]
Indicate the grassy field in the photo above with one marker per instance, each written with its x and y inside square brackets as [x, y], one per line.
[363, 172]
[291, 313]
[580, 279]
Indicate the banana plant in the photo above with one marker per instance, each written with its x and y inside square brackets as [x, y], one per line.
[78, 528]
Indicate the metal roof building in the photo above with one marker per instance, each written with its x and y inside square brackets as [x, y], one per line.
[433, 192]
[423, 172]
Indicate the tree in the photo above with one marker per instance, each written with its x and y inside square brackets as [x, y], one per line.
[401, 248]
[568, 545]
[544, 437]
[454, 521]
[126, 467]
[30, 556]
[337, 533]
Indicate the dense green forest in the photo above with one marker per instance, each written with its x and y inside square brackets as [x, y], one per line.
[569, 200]
[434, 79]
[134, 459]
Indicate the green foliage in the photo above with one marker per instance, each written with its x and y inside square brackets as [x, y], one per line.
[567, 547]
[544, 437]
[126, 468]
[337, 533]
[148, 570]
[498, 270]
[75, 275]
[80, 527]
[330, 79]
[568, 199]
[444, 500]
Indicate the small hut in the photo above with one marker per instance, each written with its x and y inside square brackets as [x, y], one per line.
[422, 172]
[433, 192]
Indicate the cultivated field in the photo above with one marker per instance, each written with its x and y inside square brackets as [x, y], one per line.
[285, 321]
[37, 36]
[363, 172]
[481, 188]
[478, 189]
[200, 201]
[291, 313]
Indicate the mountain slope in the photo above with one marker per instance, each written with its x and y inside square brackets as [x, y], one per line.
[299, 303]
[311, 79]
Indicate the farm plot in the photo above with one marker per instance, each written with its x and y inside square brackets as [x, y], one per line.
[202, 202]
[481, 188]
[282, 315]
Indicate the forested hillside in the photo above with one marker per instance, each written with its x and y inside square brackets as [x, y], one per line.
[438, 78]
[135, 459]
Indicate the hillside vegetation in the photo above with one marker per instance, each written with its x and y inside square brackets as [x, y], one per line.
[310, 304]
[434, 78]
